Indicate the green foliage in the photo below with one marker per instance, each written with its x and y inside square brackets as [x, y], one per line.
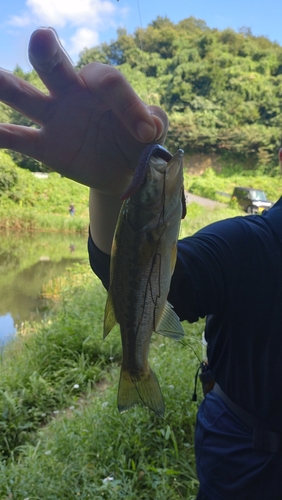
[221, 89]
[205, 185]
[211, 184]
[4, 113]
[52, 194]
[8, 173]
[65, 351]
[42, 203]
[61, 434]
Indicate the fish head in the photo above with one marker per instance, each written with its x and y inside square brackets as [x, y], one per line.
[174, 182]
[161, 192]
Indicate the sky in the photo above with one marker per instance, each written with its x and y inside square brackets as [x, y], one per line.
[86, 23]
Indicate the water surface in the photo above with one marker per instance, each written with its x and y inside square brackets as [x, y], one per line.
[27, 262]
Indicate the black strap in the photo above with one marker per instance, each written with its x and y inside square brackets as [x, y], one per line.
[263, 439]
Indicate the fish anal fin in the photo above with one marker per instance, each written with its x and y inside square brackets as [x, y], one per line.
[169, 324]
[109, 316]
[145, 390]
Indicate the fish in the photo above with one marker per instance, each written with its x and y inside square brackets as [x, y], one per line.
[143, 258]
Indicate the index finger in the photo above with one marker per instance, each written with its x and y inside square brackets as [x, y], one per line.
[51, 62]
[114, 91]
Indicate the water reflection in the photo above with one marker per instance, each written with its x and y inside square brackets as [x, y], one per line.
[7, 328]
[27, 262]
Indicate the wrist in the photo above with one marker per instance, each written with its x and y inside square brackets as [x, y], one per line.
[103, 213]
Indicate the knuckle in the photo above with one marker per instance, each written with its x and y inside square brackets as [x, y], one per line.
[111, 79]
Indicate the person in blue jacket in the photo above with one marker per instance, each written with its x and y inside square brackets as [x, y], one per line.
[92, 129]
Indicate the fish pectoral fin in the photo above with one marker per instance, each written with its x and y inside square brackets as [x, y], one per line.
[170, 325]
[146, 390]
[109, 317]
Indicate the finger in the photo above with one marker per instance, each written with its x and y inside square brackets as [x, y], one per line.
[51, 61]
[24, 140]
[113, 90]
[22, 96]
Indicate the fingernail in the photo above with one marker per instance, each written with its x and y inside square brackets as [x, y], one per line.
[145, 132]
[160, 129]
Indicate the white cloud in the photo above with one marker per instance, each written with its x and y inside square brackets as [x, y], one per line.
[58, 13]
[78, 22]
[83, 37]
[19, 21]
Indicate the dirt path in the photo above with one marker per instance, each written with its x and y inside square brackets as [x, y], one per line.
[203, 201]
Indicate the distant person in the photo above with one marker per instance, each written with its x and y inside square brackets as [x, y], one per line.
[72, 209]
[72, 247]
[93, 129]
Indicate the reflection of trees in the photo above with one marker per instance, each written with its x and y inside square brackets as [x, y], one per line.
[8, 261]
[22, 295]
[23, 274]
[22, 251]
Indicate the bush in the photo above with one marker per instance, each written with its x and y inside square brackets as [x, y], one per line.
[8, 173]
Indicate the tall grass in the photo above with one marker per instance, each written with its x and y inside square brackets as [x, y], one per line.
[210, 184]
[42, 204]
[61, 436]
[61, 433]
[30, 219]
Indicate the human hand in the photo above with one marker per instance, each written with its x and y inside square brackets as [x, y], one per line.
[93, 126]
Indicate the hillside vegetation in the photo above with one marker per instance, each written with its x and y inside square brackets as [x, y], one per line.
[222, 90]
[30, 203]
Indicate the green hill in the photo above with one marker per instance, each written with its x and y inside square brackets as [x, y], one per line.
[222, 90]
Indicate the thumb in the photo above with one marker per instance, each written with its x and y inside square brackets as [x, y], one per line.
[161, 122]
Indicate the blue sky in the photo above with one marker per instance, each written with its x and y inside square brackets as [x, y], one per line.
[85, 23]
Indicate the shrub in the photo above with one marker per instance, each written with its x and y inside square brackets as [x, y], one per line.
[8, 173]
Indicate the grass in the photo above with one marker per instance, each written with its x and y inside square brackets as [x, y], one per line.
[61, 434]
[198, 216]
[29, 219]
[210, 184]
[42, 204]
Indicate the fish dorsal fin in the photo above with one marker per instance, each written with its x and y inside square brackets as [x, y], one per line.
[109, 317]
[169, 325]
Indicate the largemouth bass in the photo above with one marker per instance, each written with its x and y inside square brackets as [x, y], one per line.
[142, 261]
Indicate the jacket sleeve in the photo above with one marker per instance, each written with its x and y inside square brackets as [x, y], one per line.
[206, 262]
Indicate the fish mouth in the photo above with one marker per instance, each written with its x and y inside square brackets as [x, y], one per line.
[172, 170]
[153, 156]
[142, 167]
[171, 167]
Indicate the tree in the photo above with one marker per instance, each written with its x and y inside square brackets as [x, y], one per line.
[222, 89]
[8, 173]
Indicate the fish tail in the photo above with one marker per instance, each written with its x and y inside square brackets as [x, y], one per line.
[145, 390]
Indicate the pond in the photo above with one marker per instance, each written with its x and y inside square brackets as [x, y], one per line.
[27, 262]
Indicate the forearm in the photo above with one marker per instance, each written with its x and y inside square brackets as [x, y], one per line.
[103, 213]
